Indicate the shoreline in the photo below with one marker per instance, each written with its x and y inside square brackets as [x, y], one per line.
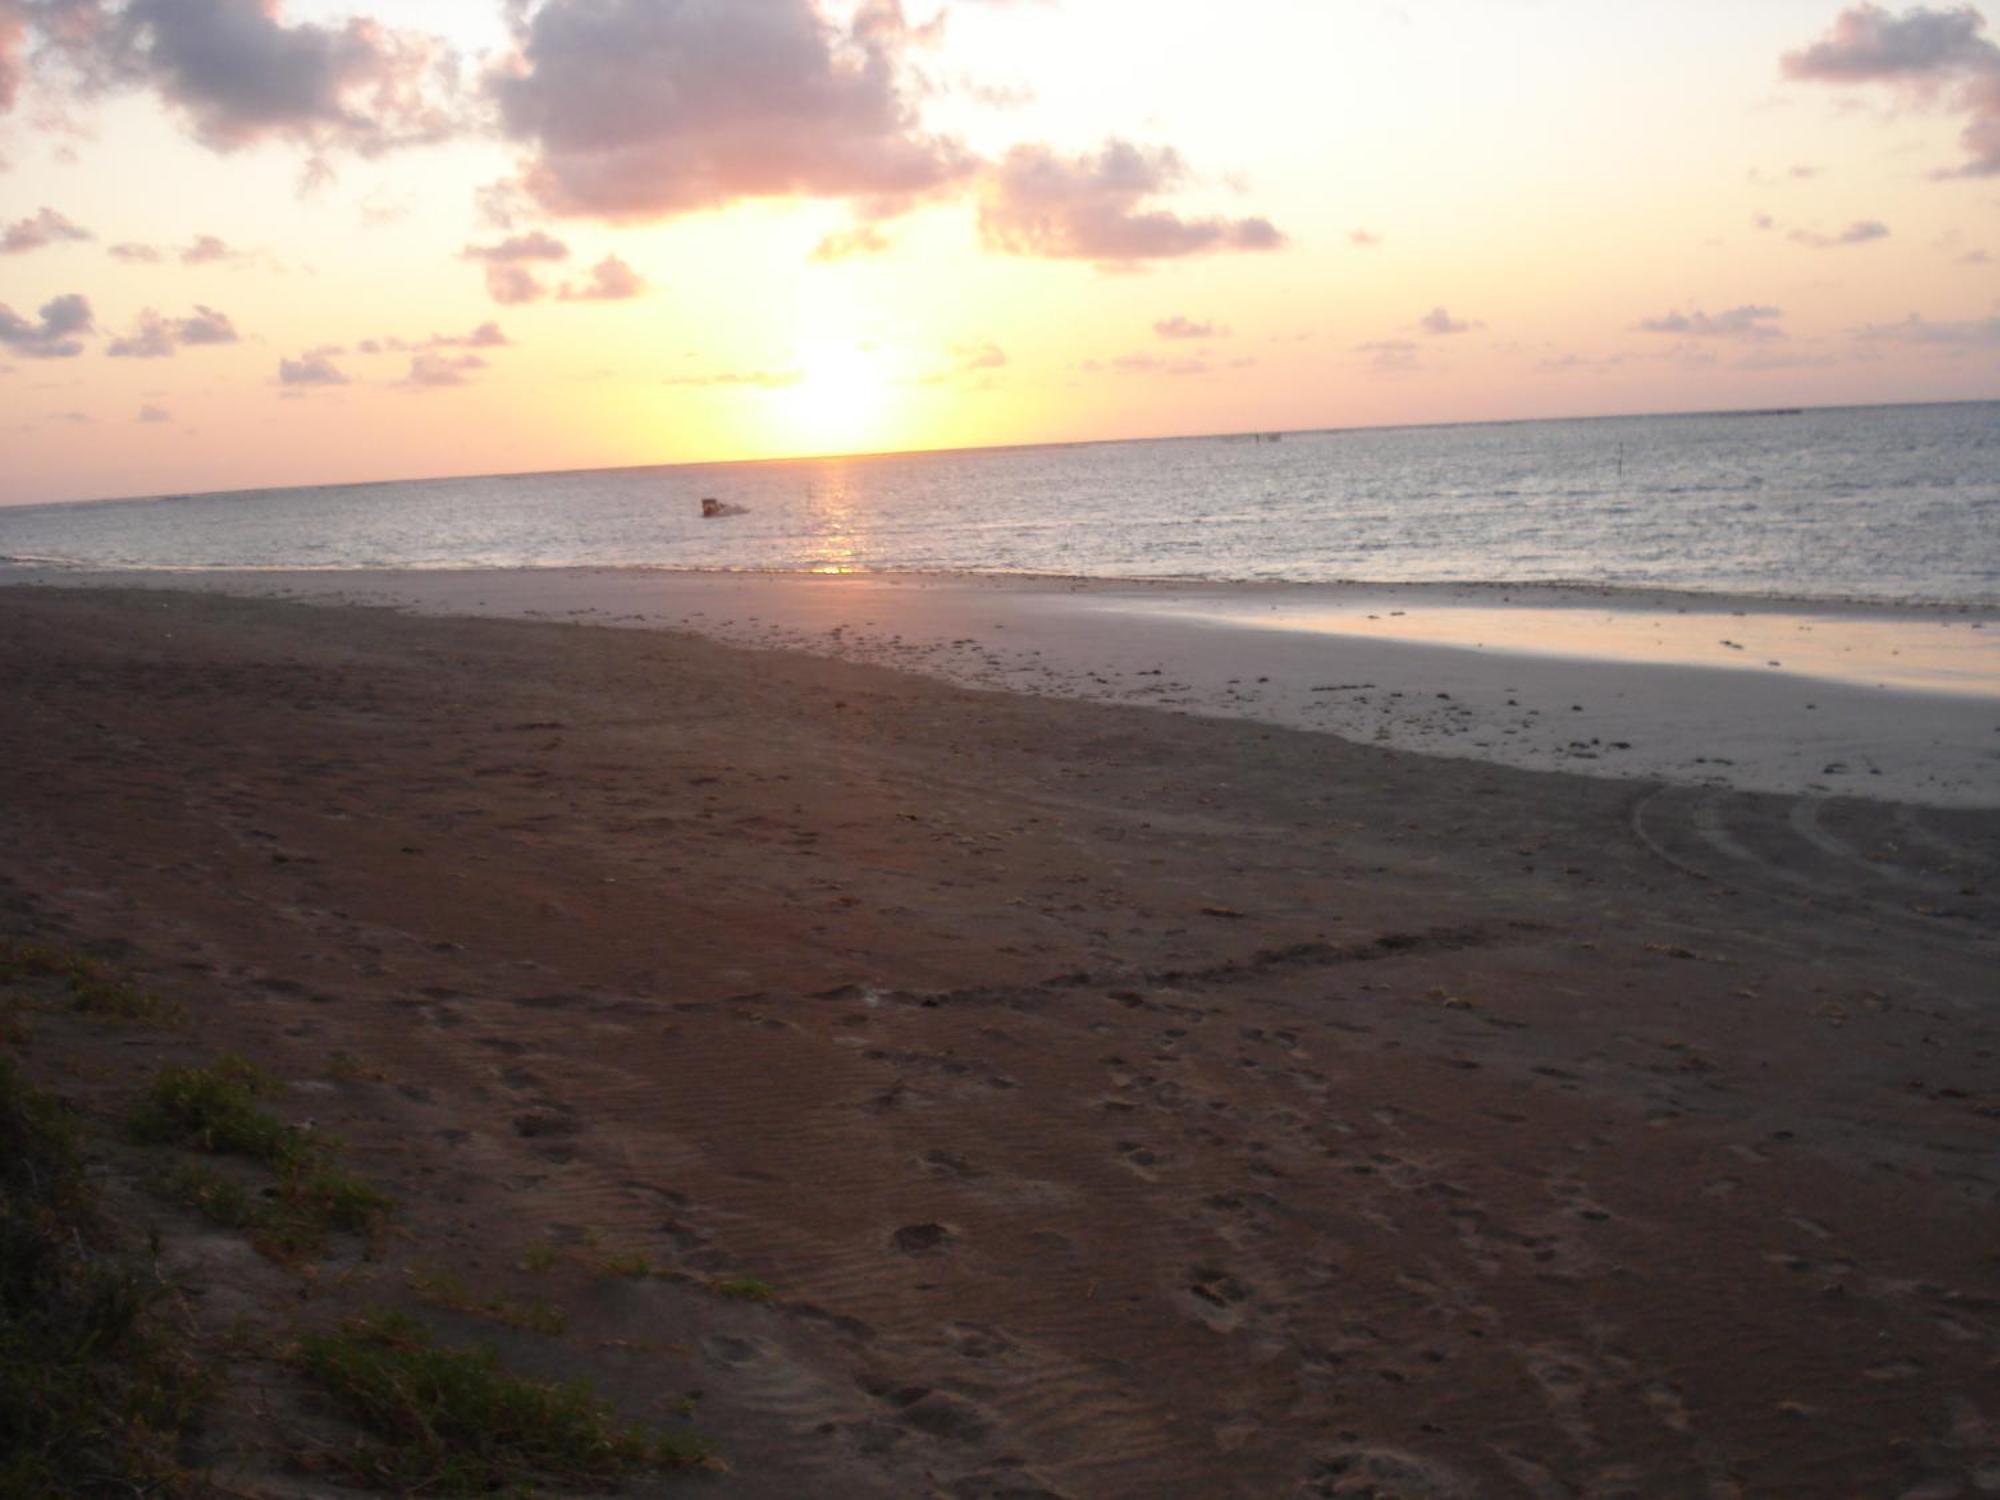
[1358, 670]
[1556, 591]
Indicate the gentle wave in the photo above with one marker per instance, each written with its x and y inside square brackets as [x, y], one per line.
[1618, 594]
[1887, 505]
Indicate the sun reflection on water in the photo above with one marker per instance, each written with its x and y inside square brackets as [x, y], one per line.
[836, 544]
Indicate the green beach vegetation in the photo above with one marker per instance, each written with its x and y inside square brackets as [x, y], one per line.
[215, 1110]
[443, 1421]
[94, 1400]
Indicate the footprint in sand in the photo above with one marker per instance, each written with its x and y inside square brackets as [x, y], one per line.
[1378, 1472]
[938, 1413]
[924, 1239]
[1566, 1381]
[1139, 1159]
[1006, 1481]
[976, 1341]
[730, 1352]
[949, 1164]
[946, 1416]
[1217, 1297]
[1665, 1402]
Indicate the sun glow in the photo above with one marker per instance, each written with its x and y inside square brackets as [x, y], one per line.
[840, 402]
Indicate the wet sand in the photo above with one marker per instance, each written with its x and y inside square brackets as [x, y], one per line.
[1888, 702]
[1120, 1103]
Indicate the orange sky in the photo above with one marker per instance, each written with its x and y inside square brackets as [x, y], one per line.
[249, 243]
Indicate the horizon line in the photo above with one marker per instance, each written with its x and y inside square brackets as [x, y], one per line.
[890, 453]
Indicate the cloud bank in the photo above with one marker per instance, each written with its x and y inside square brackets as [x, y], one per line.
[1978, 333]
[240, 74]
[627, 110]
[1928, 57]
[157, 337]
[643, 109]
[1747, 322]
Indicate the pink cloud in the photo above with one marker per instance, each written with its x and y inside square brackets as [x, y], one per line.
[1100, 207]
[1439, 323]
[508, 279]
[1178, 327]
[54, 334]
[846, 244]
[1860, 232]
[1924, 56]
[966, 360]
[206, 250]
[1746, 322]
[1981, 333]
[13, 43]
[761, 379]
[433, 371]
[314, 367]
[611, 280]
[637, 110]
[46, 227]
[241, 74]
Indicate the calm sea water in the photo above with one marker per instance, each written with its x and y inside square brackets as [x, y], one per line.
[1899, 503]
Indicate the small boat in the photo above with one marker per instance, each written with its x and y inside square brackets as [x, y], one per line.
[712, 508]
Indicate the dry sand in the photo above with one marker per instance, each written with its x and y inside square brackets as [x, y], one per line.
[1121, 1103]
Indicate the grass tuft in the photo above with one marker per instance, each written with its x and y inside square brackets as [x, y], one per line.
[448, 1289]
[214, 1109]
[221, 1200]
[93, 988]
[451, 1422]
[746, 1289]
[347, 1067]
[91, 1402]
[289, 1221]
[631, 1265]
[338, 1199]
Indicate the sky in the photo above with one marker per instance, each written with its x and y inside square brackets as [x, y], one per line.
[252, 243]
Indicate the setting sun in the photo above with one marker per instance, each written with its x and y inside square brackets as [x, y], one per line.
[839, 402]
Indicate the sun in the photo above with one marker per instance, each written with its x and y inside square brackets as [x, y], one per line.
[840, 401]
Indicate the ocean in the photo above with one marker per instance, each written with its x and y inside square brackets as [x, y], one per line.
[1896, 503]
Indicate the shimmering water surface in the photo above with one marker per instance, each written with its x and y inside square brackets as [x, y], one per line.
[1899, 503]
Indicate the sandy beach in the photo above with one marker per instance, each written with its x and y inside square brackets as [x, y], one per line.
[1115, 1102]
